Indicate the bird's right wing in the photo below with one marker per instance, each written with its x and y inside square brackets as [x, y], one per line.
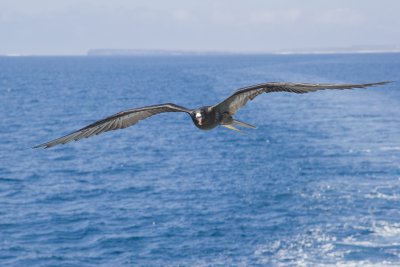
[238, 99]
[117, 121]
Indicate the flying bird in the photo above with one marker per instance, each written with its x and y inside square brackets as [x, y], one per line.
[205, 118]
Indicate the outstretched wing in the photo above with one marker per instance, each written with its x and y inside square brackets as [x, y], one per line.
[237, 100]
[117, 121]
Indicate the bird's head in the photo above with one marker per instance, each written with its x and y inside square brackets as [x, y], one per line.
[198, 116]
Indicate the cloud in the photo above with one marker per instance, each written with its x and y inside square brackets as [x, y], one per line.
[182, 15]
[276, 17]
[339, 16]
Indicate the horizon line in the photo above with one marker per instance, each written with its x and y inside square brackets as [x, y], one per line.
[165, 52]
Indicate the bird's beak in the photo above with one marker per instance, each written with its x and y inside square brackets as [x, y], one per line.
[200, 121]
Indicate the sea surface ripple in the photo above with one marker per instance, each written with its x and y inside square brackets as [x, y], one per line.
[317, 184]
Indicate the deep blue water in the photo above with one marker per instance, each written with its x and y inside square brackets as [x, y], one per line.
[318, 183]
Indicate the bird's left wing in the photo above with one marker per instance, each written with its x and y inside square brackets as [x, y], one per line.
[117, 121]
[238, 99]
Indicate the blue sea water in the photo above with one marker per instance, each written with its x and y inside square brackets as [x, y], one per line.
[317, 184]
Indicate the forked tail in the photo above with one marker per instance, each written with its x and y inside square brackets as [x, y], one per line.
[244, 124]
[231, 127]
[238, 123]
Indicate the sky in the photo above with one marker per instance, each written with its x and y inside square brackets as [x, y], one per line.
[71, 27]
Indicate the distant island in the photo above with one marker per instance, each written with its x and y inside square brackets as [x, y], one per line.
[148, 52]
[161, 52]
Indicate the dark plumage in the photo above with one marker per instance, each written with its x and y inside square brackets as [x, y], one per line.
[204, 118]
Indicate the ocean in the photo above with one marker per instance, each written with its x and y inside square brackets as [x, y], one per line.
[316, 184]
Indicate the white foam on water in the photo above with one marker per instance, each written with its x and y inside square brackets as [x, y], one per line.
[302, 250]
[386, 229]
[384, 236]
[359, 263]
[387, 192]
[318, 248]
[379, 195]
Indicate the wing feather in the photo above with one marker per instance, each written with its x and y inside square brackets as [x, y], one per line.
[117, 121]
[238, 99]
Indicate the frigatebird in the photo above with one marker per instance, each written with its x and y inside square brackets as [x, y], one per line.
[205, 118]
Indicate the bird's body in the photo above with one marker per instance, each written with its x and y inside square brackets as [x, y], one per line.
[211, 118]
[204, 118]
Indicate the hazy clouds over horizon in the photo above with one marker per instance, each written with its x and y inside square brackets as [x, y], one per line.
[73, 26]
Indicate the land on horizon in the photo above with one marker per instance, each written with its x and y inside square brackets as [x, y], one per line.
[333, 50]
[181, 52]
